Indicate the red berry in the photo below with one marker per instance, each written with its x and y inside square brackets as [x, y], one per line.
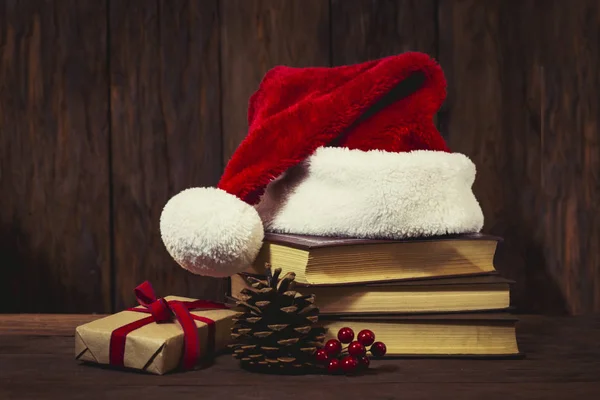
[322, 356]
[366, 337]
[363, 362]
[378, 349]
[333, 366]
[356, 349]
[333, 347]
[346, 335]
[349, 364]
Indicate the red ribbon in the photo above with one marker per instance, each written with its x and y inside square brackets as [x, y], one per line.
[163, 311]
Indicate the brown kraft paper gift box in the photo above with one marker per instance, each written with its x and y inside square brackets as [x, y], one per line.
[156, 348]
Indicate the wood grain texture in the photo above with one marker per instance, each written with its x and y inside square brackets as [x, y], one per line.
[570, 150]
[523, 104]
[43, 324]
[258, 35]
[562, 362]
[164, 66]
[54, 219]
[161, 75]
[347, 391]
[363, 30]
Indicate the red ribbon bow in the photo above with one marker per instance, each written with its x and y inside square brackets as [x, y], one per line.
[163, 311]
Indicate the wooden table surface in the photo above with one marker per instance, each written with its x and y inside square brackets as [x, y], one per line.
[563, 362]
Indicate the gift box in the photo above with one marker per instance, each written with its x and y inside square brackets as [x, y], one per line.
[158, 336]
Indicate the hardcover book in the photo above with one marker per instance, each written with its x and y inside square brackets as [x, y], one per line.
[442, 335]
[467, 294]
[323, 260]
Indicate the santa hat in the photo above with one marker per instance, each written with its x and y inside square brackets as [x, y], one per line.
[348, 151]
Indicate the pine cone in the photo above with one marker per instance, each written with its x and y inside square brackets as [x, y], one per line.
[275, 328]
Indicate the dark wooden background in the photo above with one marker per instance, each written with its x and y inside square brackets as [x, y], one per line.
[110, 107]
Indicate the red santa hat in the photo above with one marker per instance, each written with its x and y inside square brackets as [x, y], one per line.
[348, 151]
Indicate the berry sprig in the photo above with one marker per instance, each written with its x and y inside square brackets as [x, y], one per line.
[354, 356]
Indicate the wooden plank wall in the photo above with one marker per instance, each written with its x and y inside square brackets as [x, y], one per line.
[54, 157]
[165, 125]
[524, 104]
[108, 108]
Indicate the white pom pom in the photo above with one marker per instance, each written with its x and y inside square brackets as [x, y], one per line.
[211, 232]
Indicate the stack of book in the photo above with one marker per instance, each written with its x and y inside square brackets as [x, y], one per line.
[422, 297]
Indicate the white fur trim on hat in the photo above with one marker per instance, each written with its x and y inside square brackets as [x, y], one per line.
[211, 232]
[374, 194]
